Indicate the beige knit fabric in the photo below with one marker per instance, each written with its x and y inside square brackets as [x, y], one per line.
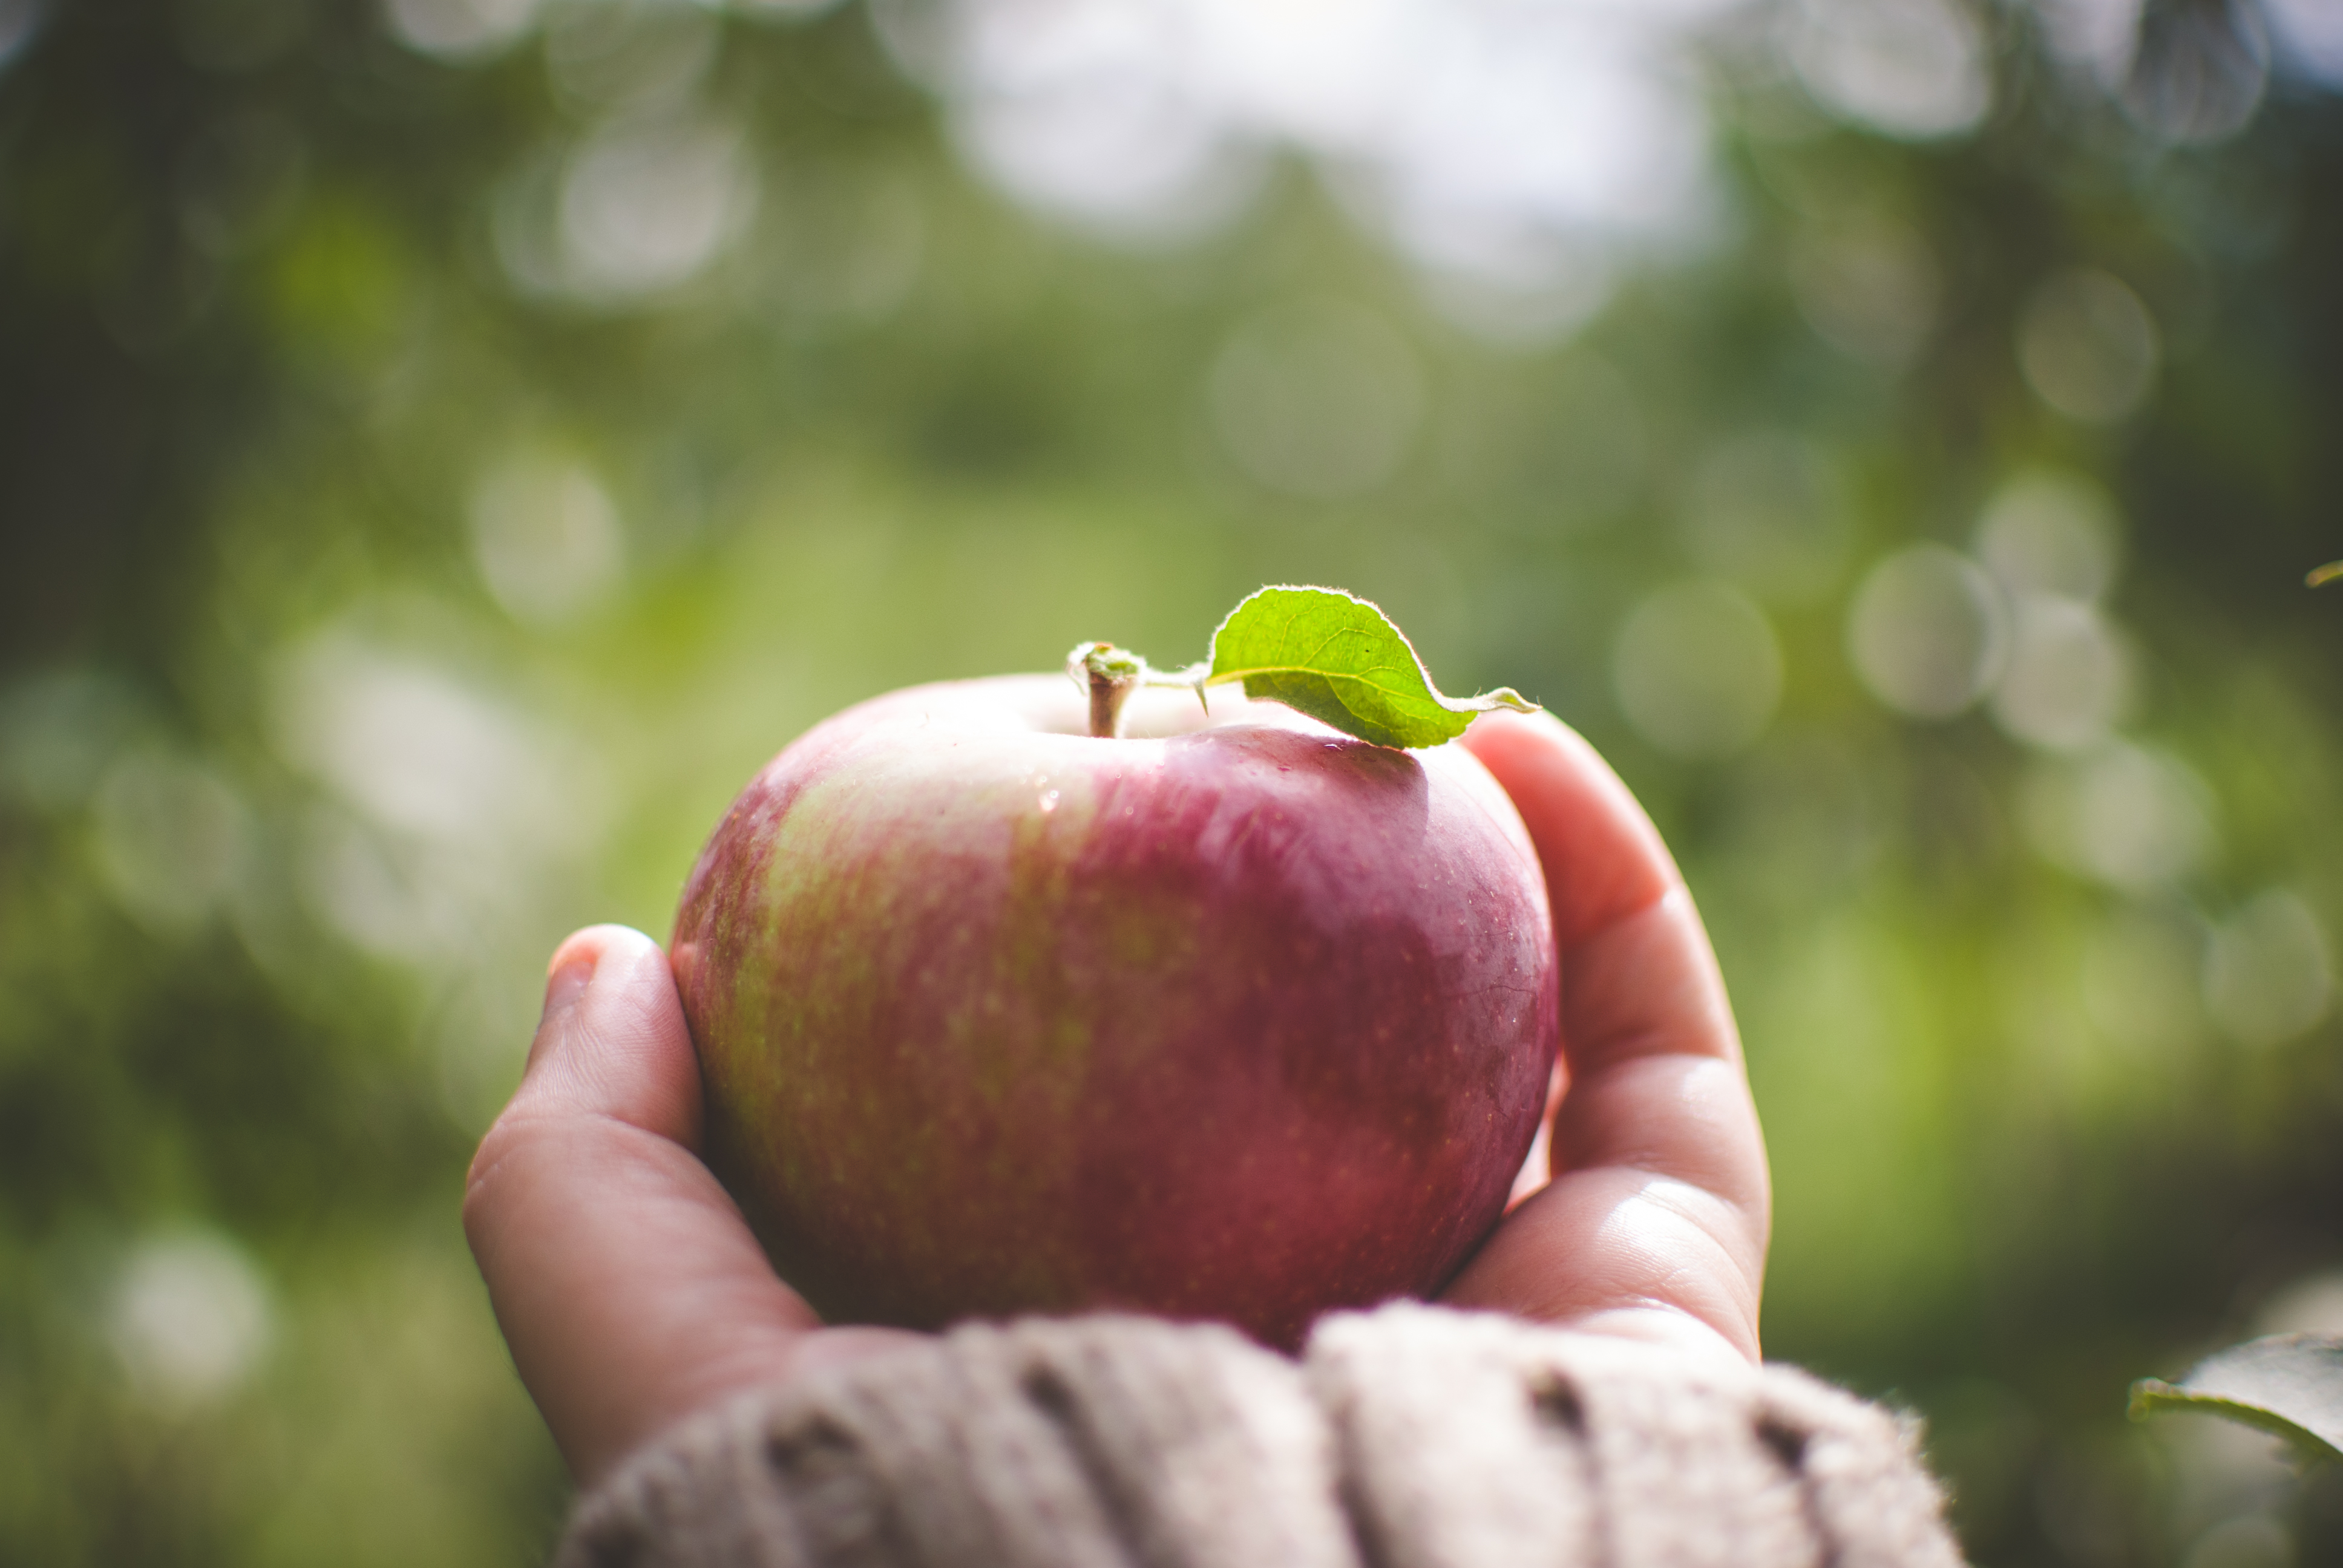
[1409, 1437]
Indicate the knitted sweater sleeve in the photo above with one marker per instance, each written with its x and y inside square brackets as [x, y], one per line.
[1409, 1437]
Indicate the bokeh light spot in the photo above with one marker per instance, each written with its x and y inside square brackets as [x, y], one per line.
[420, 751]
[383, 892]
[1909, 69]
[2311, 34]
[2051, 532]
[2087, 346]
[2069, 679]
[1124, 154]
[2197, 71]
[1927, 632]
[645, 207]
[458, 29]
[190, 1318]
[1515, 153]
[546, 537]
[2135, 819]
[2266, 972]
[172, 837]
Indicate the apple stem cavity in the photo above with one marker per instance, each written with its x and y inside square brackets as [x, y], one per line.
[1110, 674]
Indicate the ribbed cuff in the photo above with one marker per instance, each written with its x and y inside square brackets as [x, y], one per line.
[1409, 1437]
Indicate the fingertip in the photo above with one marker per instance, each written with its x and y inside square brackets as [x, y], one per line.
[613, 1040]
[1506, 731]
[588, 946]
[1603, 856]
[571, 970]
[566, 976]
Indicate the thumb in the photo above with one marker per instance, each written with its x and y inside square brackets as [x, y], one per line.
[626, 1282]
[612, 1040]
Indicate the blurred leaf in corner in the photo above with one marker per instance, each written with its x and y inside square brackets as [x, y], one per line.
[2290, 1385]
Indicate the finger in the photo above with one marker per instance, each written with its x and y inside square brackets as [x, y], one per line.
[1616, 1239]
[628, 1287]
[1603, 857]
[1660, 1202]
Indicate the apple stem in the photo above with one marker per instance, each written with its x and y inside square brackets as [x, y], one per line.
[1110, 675]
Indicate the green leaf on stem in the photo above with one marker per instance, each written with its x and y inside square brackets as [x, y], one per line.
[2290, 1385]
[1341, 660]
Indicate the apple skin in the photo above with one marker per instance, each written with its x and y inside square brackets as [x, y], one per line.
[995, 1017]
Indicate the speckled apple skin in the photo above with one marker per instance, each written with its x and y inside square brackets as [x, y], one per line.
[1246, 1024]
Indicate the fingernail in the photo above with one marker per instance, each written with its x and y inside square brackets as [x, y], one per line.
[572, 973]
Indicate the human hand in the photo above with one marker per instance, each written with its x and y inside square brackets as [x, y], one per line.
[1655, 1222]
[632, 1292]
[628, 1285]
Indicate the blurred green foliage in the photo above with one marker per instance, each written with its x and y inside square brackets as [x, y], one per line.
[387, 593]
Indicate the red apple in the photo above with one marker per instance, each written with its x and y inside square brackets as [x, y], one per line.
[1245, 1022]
